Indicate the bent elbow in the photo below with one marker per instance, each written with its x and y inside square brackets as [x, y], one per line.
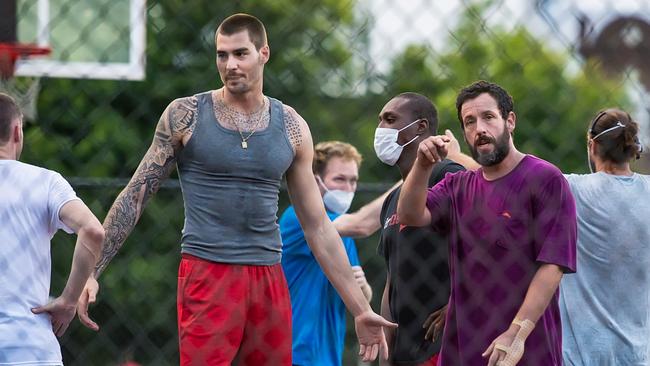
[95, 235]
[366, 232]
[411, 218]
[405, 218]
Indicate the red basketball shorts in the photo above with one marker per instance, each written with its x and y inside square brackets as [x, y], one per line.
[232, 314]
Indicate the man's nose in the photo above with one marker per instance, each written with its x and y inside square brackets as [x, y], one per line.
[231, 64]
[481, 126]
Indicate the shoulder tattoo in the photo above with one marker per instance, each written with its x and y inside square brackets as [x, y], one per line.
[182, 115]
[292, 126]
[177, 120]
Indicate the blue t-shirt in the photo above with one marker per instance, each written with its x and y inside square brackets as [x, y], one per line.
[318, 313]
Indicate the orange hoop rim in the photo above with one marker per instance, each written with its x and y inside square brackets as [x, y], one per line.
[11, 52]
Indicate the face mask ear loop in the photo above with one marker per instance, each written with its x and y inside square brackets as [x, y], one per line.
[591, 169]
[320, 181]
[591, 132]
[409, 125]
[413, 139]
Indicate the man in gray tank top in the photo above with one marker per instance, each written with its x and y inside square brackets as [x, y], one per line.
[232, 147]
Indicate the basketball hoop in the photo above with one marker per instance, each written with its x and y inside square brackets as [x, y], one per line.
[24, 89]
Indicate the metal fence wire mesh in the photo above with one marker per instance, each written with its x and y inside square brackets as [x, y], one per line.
[337, 63]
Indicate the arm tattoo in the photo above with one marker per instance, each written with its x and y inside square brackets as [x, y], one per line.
[292, 126]
[177, 121]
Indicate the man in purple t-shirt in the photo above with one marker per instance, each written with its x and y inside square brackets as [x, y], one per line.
[512, 235]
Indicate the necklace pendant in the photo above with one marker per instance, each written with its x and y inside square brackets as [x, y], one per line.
[244, 145]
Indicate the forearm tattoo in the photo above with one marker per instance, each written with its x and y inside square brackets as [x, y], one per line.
[177, 122]
[292, 126]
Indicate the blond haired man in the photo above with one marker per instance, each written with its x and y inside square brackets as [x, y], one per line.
[318, 313]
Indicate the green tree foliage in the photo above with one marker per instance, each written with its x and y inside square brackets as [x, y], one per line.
[101, 129]
[320, 65]
[555, 96]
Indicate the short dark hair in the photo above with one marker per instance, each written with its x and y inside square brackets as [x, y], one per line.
[9, 112]
[619, 145]
[240, 22]
[421, 107]
[504, 100]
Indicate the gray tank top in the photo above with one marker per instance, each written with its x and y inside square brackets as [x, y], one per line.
[230, 193]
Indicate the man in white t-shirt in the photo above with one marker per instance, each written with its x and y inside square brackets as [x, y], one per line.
[34, 204]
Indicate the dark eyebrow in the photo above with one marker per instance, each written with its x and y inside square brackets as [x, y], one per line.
[387, 114]
[243, 49]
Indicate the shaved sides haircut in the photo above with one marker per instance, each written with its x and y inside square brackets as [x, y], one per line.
[244, 22]
[421, 107]
[9, 112]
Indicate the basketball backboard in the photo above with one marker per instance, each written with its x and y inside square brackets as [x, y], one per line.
[94, 39]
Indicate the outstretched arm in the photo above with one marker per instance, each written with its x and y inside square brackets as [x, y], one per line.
[365, 221]
[174, 128]
[156, 165]
[90, 234]
[326, 245]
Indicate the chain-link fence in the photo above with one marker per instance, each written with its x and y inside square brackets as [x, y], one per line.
[337, 63]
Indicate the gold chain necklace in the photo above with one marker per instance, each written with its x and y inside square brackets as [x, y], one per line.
[244, 140]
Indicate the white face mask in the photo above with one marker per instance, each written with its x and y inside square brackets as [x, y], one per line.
[336, 200]
[386, 146]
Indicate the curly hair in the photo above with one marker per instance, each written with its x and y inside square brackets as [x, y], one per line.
[326, 150]
[504, 100]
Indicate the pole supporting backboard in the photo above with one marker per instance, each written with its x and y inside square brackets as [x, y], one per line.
[8, 22]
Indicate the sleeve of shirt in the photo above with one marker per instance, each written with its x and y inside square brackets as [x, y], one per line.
[439, 201]
[351, 249]
[454, 167]
[571, 178]
[60, 193]
[555, 231]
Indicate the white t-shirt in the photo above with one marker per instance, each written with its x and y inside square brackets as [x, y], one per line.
[30, 200]
[605, 305]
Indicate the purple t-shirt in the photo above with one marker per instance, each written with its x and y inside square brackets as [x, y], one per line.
[500, 232]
